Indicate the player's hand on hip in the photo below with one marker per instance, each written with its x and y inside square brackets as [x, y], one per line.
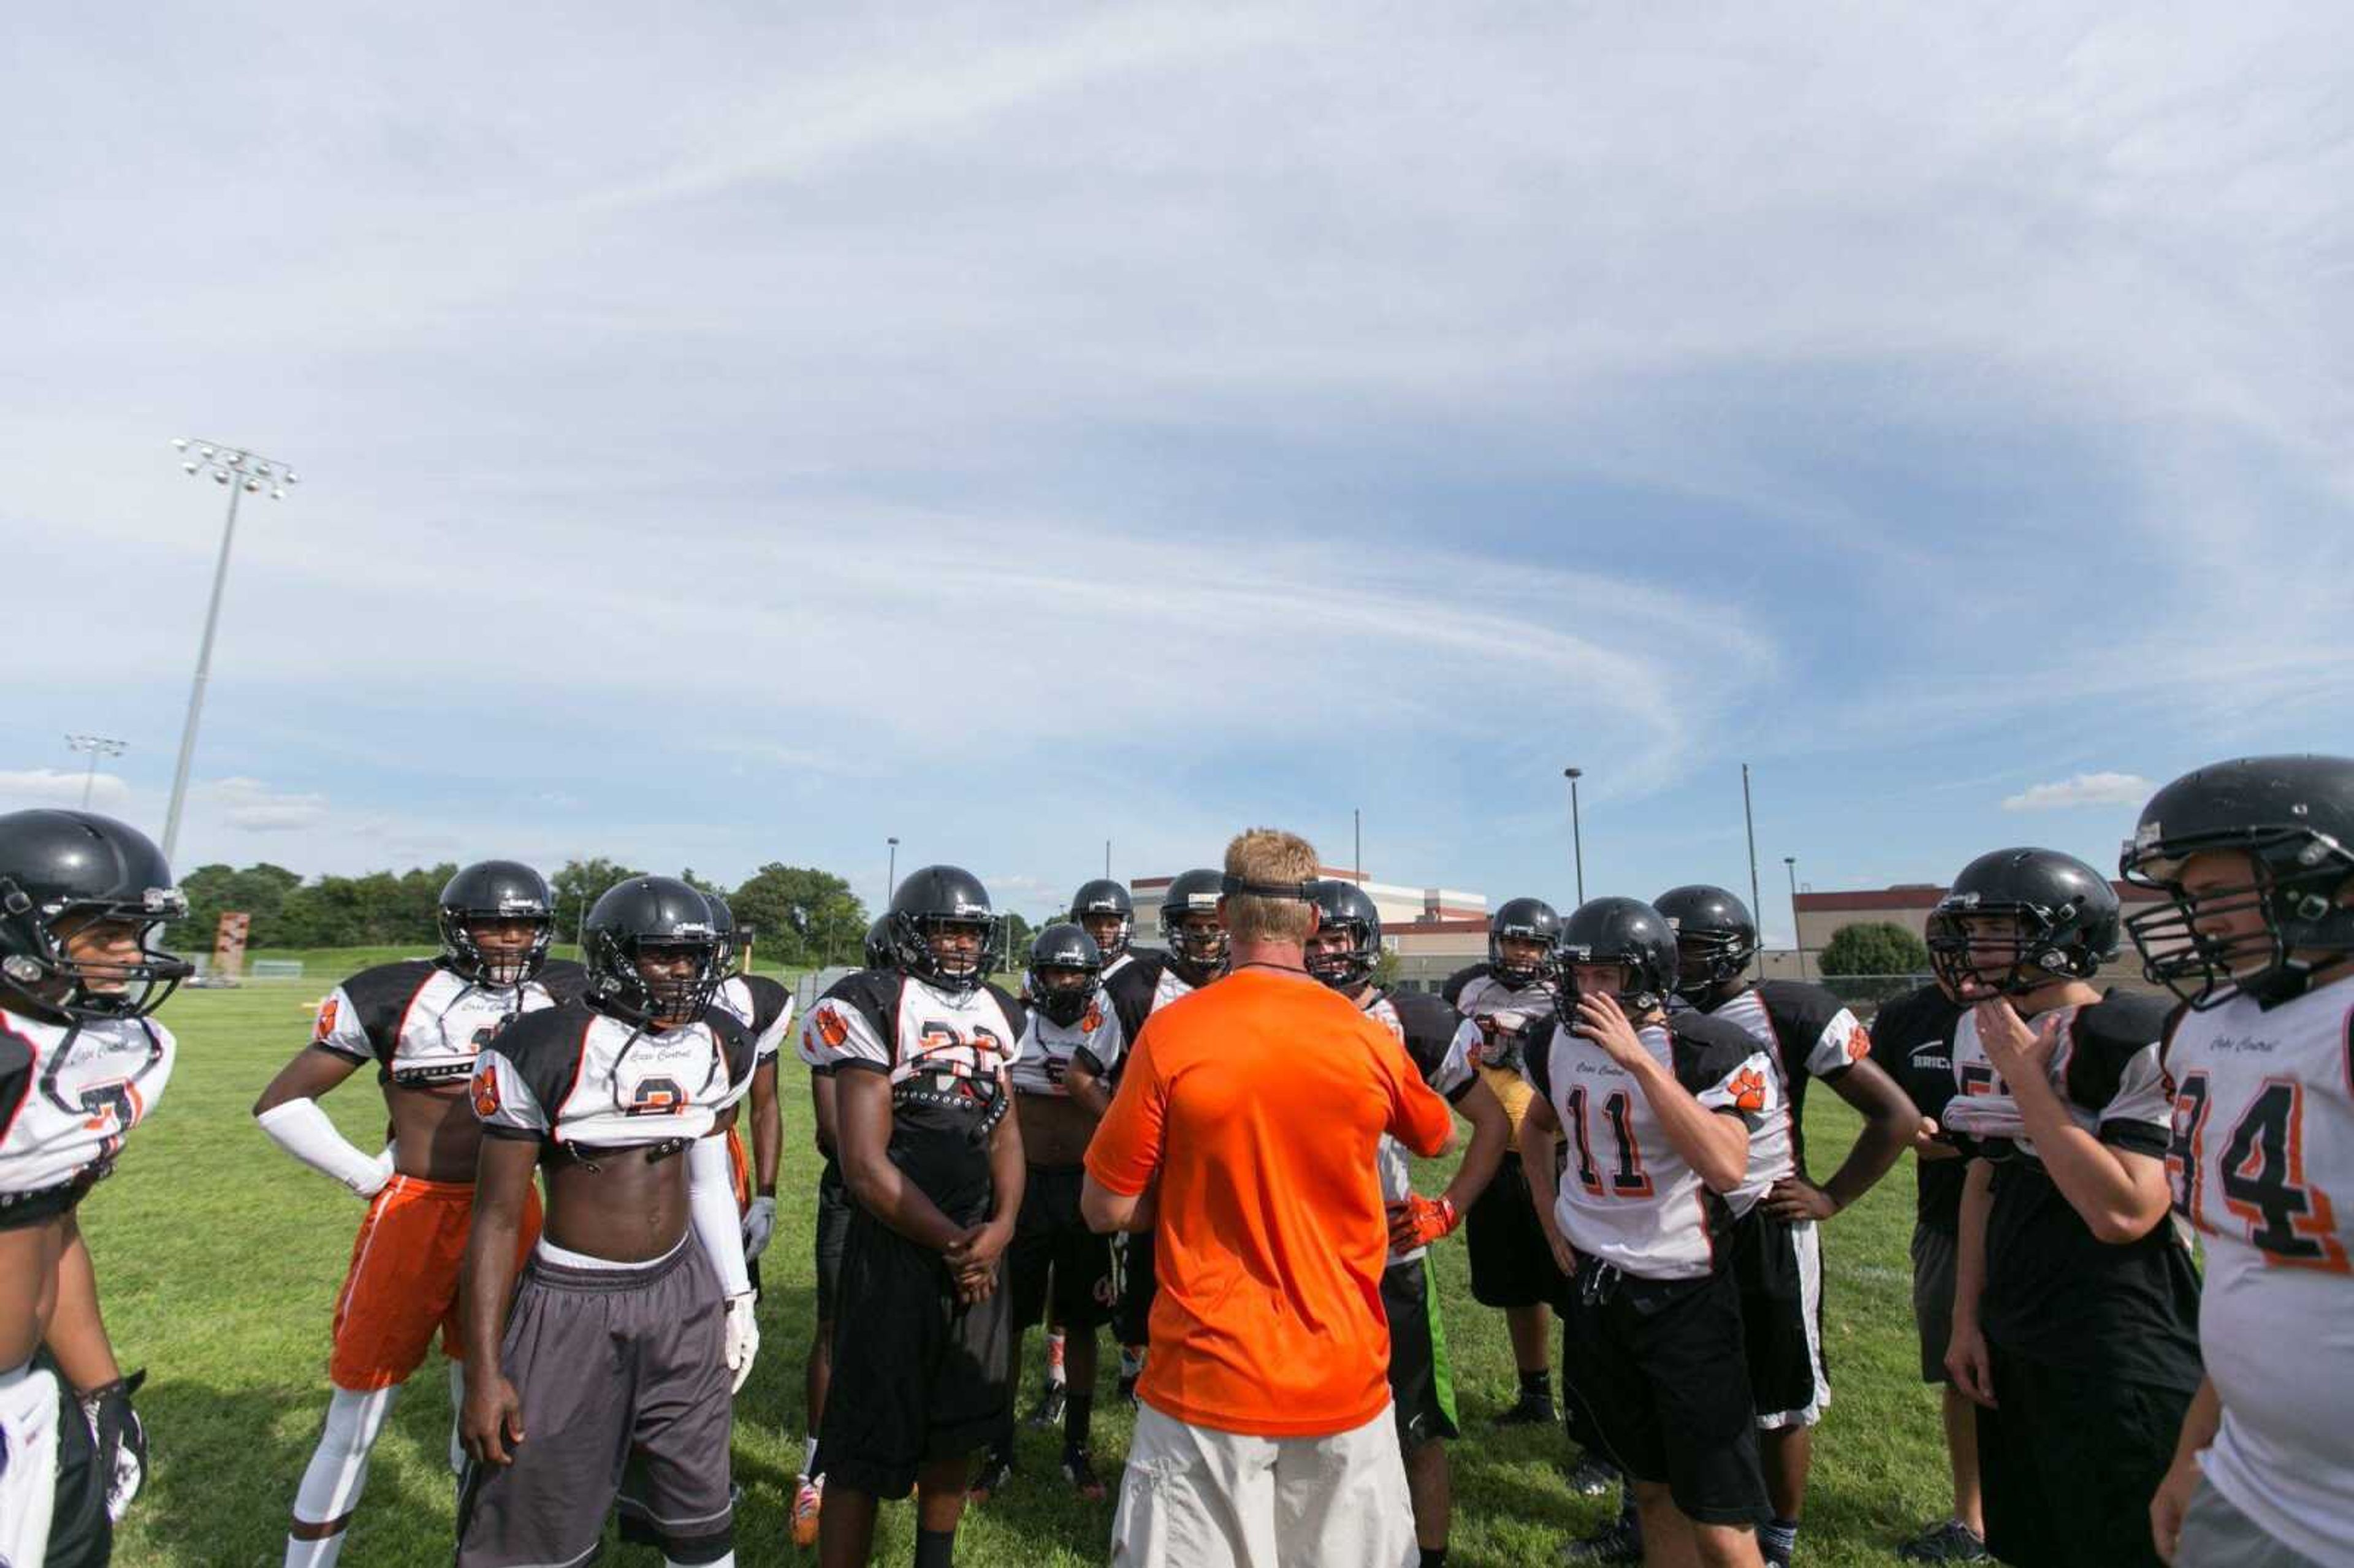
[1600, 1020]
[1564, 1256]
[743, 1339]
[1794, 1198]
[2172, 1501]
[491, 1422]
[759, 1225]
[1967, 1360]
[1420, 1221]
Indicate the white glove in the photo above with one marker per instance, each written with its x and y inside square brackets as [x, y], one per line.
[743, 1339]
[759, 1224]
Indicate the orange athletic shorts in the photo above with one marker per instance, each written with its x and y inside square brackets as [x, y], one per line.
[403, 1283]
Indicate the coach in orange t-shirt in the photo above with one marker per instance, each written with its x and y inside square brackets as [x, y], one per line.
[1243, 1138]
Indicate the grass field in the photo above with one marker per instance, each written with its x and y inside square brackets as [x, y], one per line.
[220, 1259]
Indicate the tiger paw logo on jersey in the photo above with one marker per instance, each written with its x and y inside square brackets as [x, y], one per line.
[1859, 1043]
[1748, 1089]
[1093, 1020]
[327, 1012]
[485, 1090]
[831, 1027]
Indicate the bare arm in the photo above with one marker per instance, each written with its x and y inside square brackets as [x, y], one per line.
[1491, 1134]
[2121, 1196]
[1105, 1209]
[768, 1128]
[77, 1335]
[2199, 1424]
[1891, 1124]
[311, 1073]
[492, 1419]
[863, 1098]
[1087, 1089]
[1966, 1354]
[1540, 1131]
[974, 1257]
[825, 1101]
[1715, 1144]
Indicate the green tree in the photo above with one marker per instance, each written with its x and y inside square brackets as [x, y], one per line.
[580, 884]
[804, 916]
[1873, 947]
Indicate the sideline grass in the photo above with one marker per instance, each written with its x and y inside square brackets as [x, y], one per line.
[220, 1259]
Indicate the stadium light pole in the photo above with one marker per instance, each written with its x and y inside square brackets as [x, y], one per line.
[241, 472]
[1576, 830]
[891, 877]
[1106, 859]
[1756, 900]
[98, 745]
[1357, 835]
[1798, 939]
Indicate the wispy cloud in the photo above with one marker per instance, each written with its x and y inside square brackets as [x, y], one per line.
[58, 787]
[2083, 790]
[251, 806]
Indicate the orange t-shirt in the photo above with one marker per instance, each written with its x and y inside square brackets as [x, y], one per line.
[1256, 1102]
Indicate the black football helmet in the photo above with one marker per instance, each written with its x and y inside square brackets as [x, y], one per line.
[1066, 970]
[2292, 818]
[1346, 906]
[60, 871]
[1198, 957]
[1531, 919]
[496, 890]
[634, 917]
[1713, 932]
[723, 921]
[1623, 931]
[2064, 918]
[1096, 906]
[935, 896]
[878, 954]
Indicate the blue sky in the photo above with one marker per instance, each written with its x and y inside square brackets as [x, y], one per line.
[749, 435]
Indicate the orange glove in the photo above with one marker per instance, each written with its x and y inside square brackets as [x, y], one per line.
[1419, 1221]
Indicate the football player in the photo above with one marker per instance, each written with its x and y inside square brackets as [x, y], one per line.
[1108, 914]
[82, 1063]
[421, 1023]
[1659, 1110]
[831, 1235]
[1052, 1244]
[2075, 1304]
[764, 1007]
[920, 1059]
[606, 1376]
[1195, 955]
[1507, 997]
[1445, 1046]
[1912, 1042]
[2255, 857]
[1777, 1260]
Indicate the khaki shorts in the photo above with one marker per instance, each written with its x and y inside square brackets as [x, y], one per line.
[1196, 1497]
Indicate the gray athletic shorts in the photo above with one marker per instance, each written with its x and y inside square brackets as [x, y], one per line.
[623, 1377]
[1933, 1299]
[2217, 1535]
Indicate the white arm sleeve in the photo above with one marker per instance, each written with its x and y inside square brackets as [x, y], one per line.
[301, 1129]
[711, 1208]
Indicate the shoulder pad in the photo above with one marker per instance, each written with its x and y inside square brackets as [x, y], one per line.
[1452, 991]
[563, 979]
[1017, 1013]
[1689, 1026]
[543, 1047]
[2109, 1033]
[380, 995]
[1922, 1007]
[15, 1075]
[1798, 1009]
[1429, 1024]
[736, 1042]
[875, 993]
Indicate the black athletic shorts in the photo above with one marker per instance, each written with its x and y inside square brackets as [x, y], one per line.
[2069, 1460]
[1050, 1240]
[918, 1375]
[1933, 1297]
[834, 1207]
[1422, 1377]
[1510, 1264]
[623, 1377]
[1777, 1267]
[1653, 1380]
[1131, 1318]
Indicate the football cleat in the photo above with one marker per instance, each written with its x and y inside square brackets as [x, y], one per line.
[1050, 1407]
[996, 1475]
[1593, 1476]
[1947, 1540]
[1080, 1472]
[1620, 1540]
[1529, 1410]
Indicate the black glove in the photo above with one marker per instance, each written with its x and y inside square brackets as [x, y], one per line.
[121, 1440]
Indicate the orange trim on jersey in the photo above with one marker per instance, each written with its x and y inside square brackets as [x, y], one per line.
[402, 1284]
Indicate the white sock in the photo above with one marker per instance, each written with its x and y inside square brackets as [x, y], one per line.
[337, 1474]
[727, 1562]
[457, 1409]
[809, 1456]
[1055, 1346]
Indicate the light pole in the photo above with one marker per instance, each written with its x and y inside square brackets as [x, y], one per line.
[891, 878]
[1749, 820]
[1106, 859]
[1797, 941]
[98, 745]
[1576, 831]
[1357, 833]
[240, 471]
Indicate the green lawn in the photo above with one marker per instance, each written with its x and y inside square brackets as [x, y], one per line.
[220, 1259]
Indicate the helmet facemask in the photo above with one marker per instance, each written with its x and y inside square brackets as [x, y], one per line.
[2296, 885]
[1711, 961]
[1518, 971]
[1984, 949]
[650, 994]
[1342, 955]
[1062, 994]
[44, 973]
[917, 942]
[1109, 928]
[499, 965]
[1199, 945]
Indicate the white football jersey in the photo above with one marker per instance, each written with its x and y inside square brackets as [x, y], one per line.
[1626, 1197]
[1445, 1049]
[1042, 1063]
[423, 1024]
[1525, 1011]
[760, 1005]
[572, 1075]
[2104, 1067]
[1805, 1034]
[2262, 1155]
[69, 1094]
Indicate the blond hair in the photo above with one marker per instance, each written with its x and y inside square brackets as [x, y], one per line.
[1269, 855]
